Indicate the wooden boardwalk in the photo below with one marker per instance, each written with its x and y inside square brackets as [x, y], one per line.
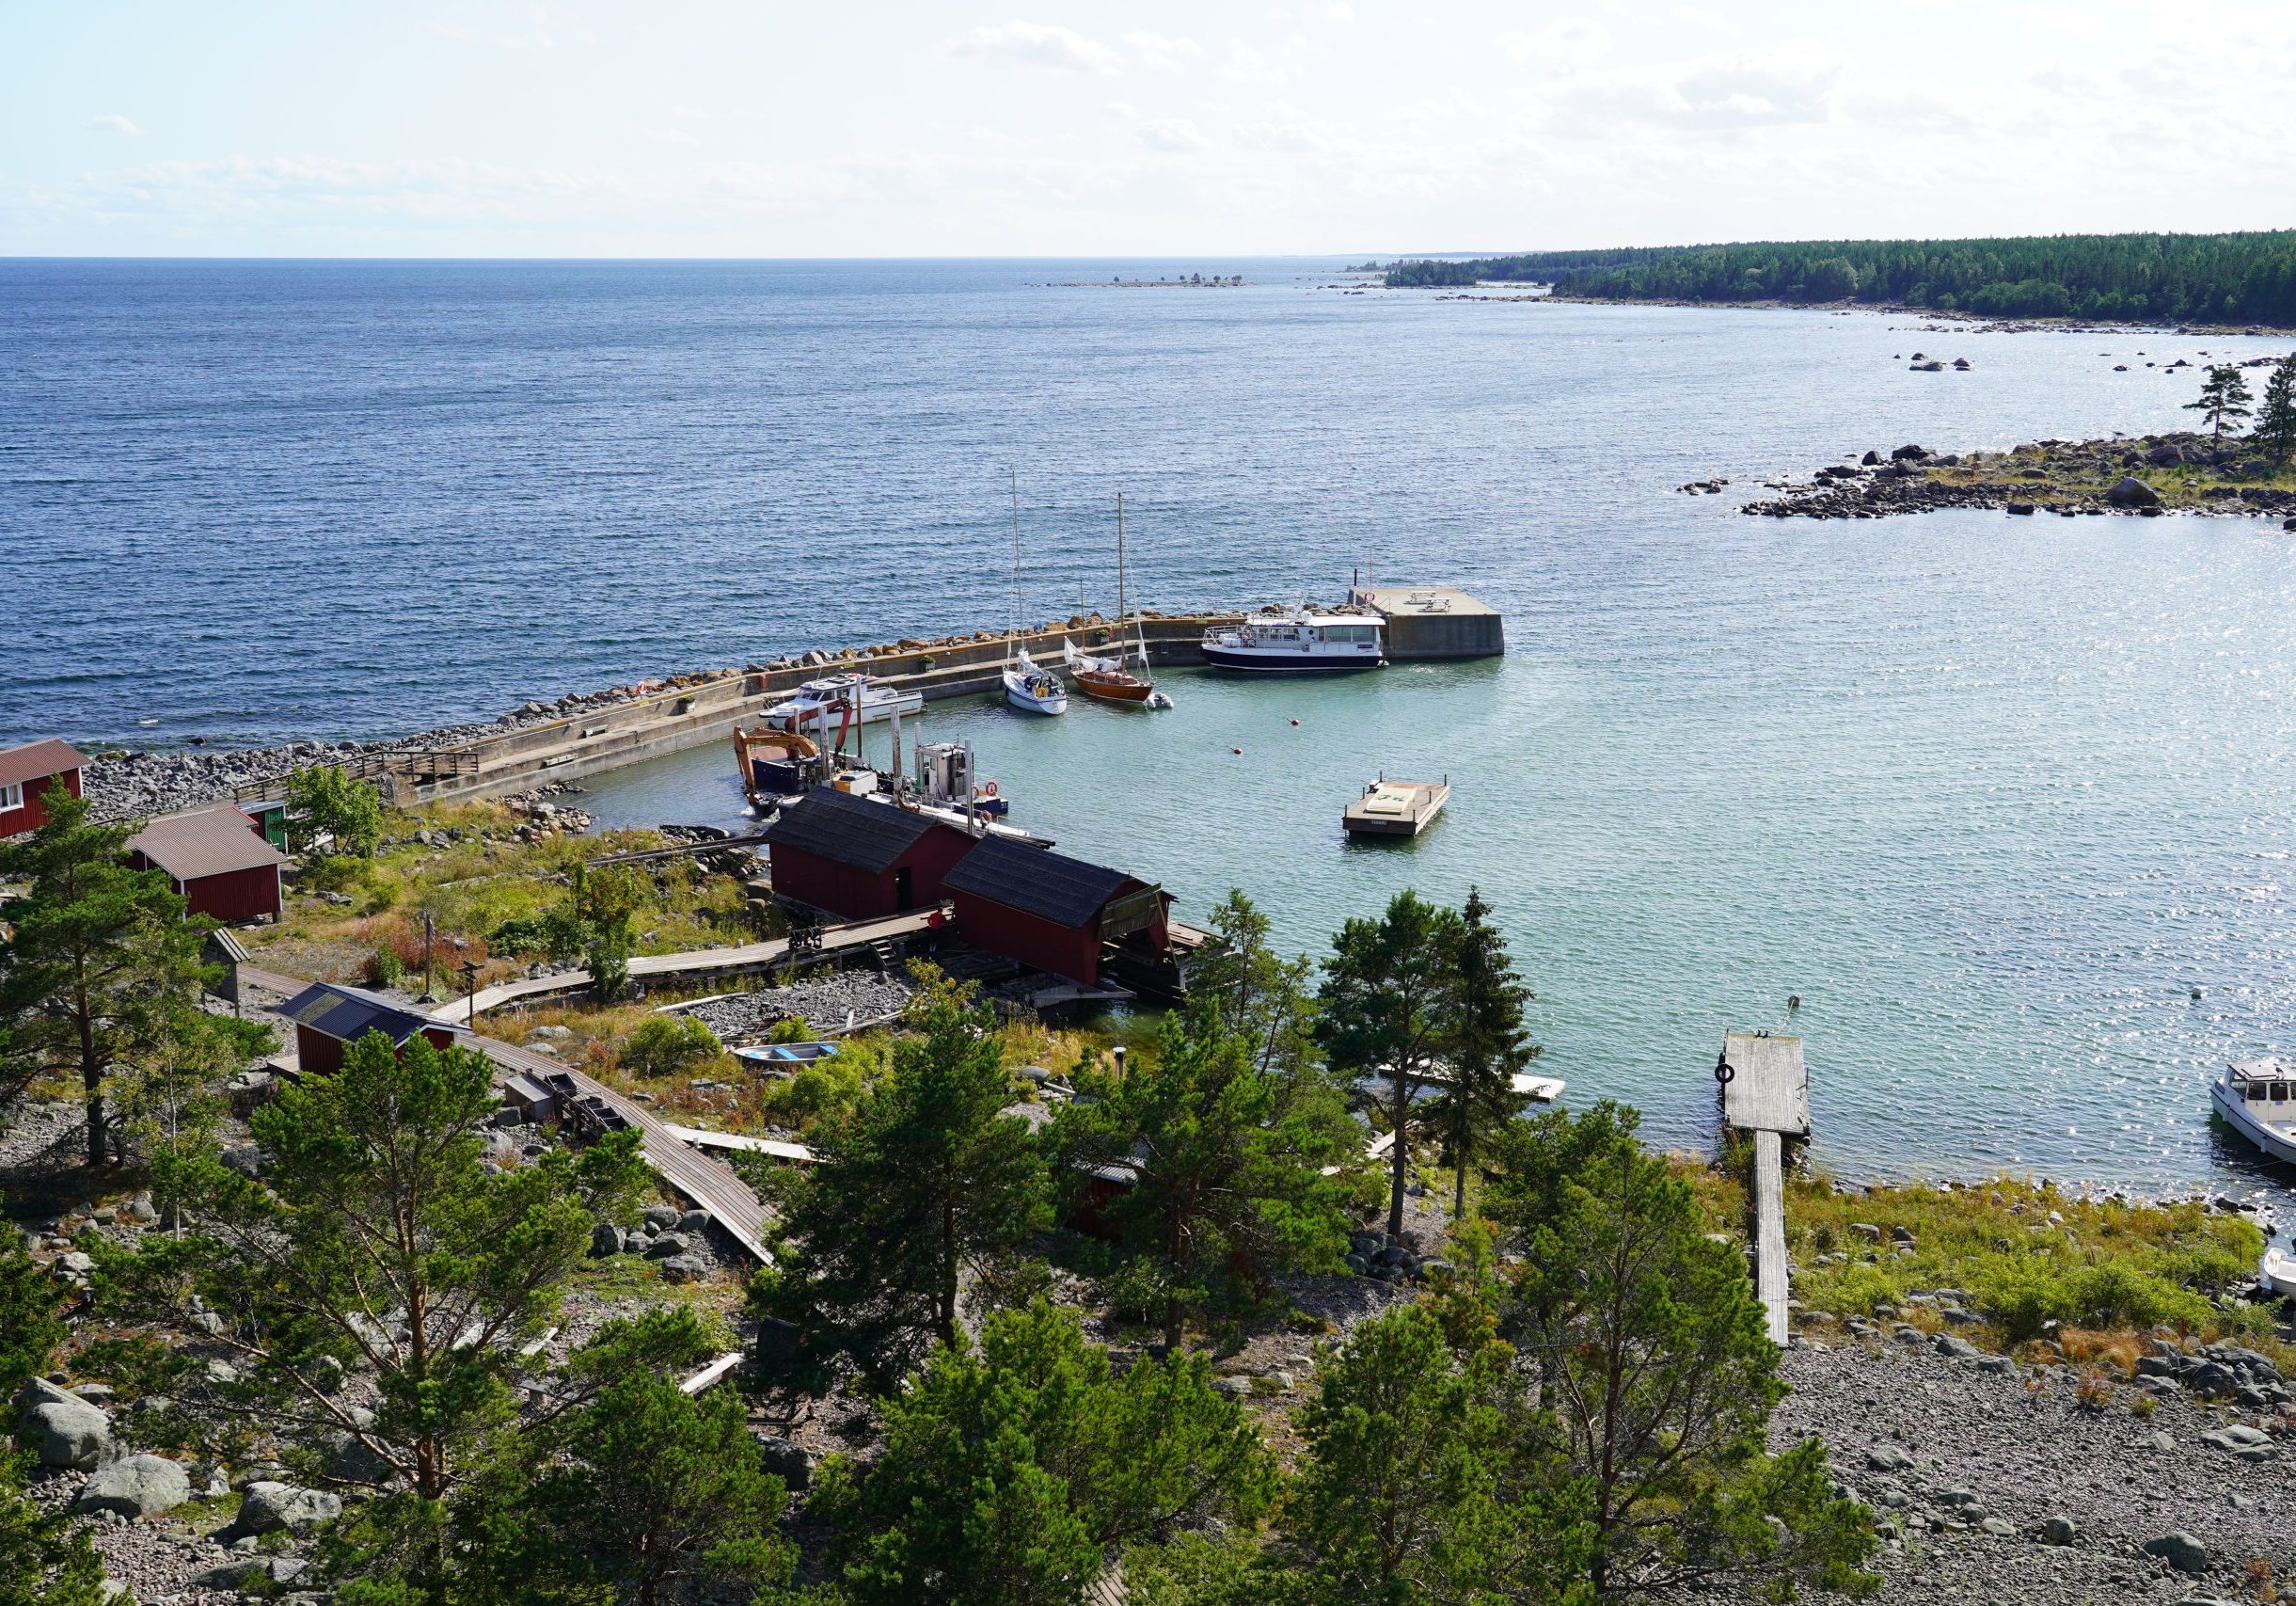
[1768, 1094]
[696, 964]
[710, 1185]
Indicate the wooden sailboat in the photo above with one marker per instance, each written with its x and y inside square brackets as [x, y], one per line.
[1107, 678]
[1028, 686]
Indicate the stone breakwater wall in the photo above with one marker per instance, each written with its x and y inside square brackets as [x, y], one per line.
[539, 744]
[2147, 476]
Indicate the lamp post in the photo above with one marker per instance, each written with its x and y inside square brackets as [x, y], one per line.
[430, 934]
[471, 986]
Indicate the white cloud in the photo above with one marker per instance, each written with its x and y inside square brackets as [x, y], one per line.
[670, 136]
[1158, 54]
[1563, 42]
[114, 121]
[1342, 12]
[1791, 83]
[1038, 45]
[1171, 133]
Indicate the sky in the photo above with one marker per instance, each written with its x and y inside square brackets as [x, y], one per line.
[707, 128]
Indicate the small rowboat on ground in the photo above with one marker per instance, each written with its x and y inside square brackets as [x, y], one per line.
[1396, 808]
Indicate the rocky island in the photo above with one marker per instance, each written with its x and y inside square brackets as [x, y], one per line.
[2147, 475]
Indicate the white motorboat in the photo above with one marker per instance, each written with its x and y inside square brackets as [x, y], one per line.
[2258, 1100]
[2280, 1272]
[1299, 640]
[824, 706]
[1034, 690]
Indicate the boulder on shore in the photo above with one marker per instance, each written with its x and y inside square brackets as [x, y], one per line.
[141, 1485]
[281, 1508]
[2132, 492]
[64, 1429]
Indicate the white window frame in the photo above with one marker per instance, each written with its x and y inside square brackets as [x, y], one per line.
[11, 796]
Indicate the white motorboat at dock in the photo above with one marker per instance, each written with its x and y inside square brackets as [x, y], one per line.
[2258, 1100]
[1298, 639]
[820, 704]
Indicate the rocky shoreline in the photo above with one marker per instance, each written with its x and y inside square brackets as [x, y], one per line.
[2145, 475]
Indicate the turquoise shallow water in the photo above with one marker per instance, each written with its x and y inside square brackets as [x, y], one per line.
[1993, 795]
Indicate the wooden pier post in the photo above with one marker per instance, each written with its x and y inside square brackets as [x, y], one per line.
[1766, 1093]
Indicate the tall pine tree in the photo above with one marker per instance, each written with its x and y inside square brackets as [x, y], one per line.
[1387, 1011]
[2275, 430]
[99, 955]
[925, 1182]
[1488, 1047]
[2224, 398]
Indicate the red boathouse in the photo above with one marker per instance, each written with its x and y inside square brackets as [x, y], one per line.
[1051, 912]
[851, 857]
[218, 860]
[26, 774]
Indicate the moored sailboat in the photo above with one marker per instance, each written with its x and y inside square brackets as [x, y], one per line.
[1106, 676]
[1028, 686]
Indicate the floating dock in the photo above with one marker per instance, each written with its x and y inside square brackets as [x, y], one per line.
[1433, 622]
[1396, 808]
[1766, 1093]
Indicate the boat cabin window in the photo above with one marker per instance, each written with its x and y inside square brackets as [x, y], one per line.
[1351, 632]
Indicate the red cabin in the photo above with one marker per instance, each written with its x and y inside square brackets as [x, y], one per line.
[329, 1016]
[218, 860]
[25, 773]
[859, 859]
[1051, 912]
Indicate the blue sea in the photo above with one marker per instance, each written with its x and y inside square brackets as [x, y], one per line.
[2008, 802]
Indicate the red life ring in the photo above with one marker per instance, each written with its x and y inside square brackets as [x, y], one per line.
[988, 789]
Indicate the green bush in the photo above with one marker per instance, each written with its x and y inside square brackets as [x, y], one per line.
[669, 1045]
[790, 1029]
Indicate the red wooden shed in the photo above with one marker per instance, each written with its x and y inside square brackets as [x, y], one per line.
[1052, 911]
[25, 773]
[860, 859]
[218, 860]
[328, 1016]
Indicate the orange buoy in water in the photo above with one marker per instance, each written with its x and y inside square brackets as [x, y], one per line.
[1235, 750]
[1295, 721]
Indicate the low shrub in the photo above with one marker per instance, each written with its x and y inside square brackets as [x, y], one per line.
[669, 1045]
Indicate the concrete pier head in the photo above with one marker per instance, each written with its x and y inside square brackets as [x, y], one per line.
[1434, 621]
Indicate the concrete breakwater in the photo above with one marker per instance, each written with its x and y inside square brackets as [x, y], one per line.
[541, 743]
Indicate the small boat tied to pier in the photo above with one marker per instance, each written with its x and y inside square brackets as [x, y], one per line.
[819, 704]
[2258, 1100]
[1396, 808]
[1028, 686]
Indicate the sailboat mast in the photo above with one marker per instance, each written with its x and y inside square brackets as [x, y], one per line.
[1119, 631]
[1012, 617]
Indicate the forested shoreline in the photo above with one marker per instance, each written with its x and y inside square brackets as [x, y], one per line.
[2233, 278]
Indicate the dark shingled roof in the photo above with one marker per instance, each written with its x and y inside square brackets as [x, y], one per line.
[847, 830]
[1052, 886]
[348, 1014]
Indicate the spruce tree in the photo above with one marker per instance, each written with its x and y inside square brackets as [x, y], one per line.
[1386, 1003]
[97, 956]
[1262, 995]
[2275, 430]
[1227, 1164]
[1488, 1047]
[924, 1184]
[2224, 398]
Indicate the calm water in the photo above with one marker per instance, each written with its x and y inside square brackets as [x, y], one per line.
[1993, 795]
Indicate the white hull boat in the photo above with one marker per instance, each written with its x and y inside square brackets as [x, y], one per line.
[2280, 1272]
[1298, 641]
[829, 703]
[1032, 690]
[2258, 1100]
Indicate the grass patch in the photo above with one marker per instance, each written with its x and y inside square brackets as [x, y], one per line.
[2092, 1276]
[474, 878]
